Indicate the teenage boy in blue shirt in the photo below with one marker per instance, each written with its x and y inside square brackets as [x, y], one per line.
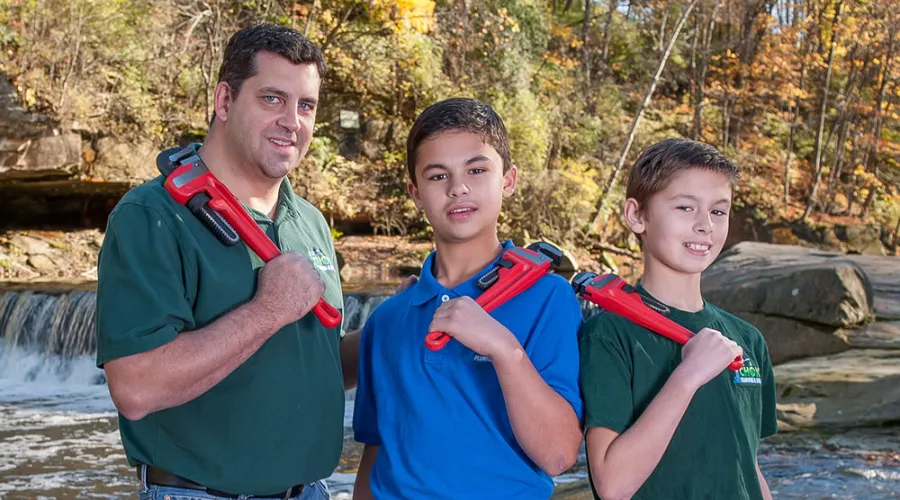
[662, 420]
[496, 412]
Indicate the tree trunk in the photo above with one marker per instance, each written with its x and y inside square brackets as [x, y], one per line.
[703, 68]
[640, 112]
[585, 39]
[607, 30]
[811, 202]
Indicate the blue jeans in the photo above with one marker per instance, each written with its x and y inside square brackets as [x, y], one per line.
[312, 491]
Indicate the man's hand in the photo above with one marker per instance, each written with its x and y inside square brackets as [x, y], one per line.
[706, 355]
[464, 320]
[289, 287]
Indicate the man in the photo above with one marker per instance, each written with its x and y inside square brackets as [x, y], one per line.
[226, 384]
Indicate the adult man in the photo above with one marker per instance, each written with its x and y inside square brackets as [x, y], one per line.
[225, 385]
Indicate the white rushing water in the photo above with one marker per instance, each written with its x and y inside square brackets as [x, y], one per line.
[59, 434]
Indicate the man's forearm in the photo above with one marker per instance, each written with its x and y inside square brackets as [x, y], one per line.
[544, 423]
[632, 456]
[350, 358]
[189, 365]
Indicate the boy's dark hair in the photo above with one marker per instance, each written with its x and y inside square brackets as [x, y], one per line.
[658, 163]
[239, 60]
[458, 114]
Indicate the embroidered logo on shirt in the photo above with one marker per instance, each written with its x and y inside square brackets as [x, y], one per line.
[749, 374]
[481, 359]
[320, 259]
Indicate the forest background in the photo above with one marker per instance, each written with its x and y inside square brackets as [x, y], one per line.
[802, 94]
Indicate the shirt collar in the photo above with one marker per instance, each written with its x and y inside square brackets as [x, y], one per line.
[427, 286]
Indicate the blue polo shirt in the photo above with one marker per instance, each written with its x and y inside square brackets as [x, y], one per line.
[439, 418]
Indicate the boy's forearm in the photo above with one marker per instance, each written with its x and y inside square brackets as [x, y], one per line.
[361, 488]
[544, 423]
[631, 457]
[763, 485]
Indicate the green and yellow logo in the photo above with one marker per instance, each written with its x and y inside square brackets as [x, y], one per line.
[320, 260]
[749, 374]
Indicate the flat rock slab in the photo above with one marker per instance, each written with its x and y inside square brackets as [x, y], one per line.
[779, 280]
[856, 388]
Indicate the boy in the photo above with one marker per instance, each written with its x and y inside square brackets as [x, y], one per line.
[662, 420]
[496, 412]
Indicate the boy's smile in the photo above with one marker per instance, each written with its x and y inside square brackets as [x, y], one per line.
[684, 226]
[460, 186]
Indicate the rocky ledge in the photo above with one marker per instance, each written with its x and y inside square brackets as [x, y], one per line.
[832, 324]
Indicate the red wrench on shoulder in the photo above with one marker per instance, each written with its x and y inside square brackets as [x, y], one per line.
[613, 294]
[191, 184]
[518, 269]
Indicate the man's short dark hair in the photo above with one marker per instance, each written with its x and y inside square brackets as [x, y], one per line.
[458, 114]
[658, 163]
[239, 61]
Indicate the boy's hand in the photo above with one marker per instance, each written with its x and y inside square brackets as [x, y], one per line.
[706, 355]
[464, 320]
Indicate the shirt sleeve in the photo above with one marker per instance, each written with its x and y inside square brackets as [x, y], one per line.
[142, 301]
[769, 418]
[365, 414]
[606, 373]
[554, 352]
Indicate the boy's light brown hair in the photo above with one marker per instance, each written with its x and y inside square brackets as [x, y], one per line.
[658, 163]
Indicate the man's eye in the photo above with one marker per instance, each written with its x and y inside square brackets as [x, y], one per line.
[271, 99]
[685, 208]
[438, 177]
[719, 213]
[477, 171]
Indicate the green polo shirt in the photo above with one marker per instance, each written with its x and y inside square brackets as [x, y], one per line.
[277, 420]
[712, 454]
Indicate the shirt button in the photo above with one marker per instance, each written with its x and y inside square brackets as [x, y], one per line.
[445, 298]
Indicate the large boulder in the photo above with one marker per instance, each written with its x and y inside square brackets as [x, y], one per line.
[789, 339]
[857, 388]
[790, 282]
[40, 157]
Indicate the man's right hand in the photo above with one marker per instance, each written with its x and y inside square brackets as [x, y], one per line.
[706, 355]
[289, 287]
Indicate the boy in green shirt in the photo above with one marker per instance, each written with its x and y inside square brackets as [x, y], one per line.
[664, 420]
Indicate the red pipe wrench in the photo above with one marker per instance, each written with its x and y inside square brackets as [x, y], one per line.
[518, 269]
[613, 294]
[191, 184]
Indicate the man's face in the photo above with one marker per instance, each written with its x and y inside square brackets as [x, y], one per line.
[460, 185]
[270, 122]
[685, 225]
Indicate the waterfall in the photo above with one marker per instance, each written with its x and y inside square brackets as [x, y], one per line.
[51, 335]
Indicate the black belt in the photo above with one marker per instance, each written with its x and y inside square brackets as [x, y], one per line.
[160, 477]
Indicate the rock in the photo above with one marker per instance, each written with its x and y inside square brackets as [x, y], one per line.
[41, 263]
[15, 121]
[790, 339]
[119, 161]
[879, 335]
[785, 281]
[41, 157]
[857, 388]
[29, 245]
[884, 274]
[861, 239]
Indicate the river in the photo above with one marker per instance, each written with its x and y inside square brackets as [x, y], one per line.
[59, 436]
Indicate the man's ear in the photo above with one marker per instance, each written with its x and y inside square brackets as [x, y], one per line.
[222, 100]
[413, 191]
[510, 178]
[635, 216]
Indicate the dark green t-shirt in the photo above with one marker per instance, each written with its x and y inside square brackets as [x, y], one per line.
[277, 420]
[712, 454]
